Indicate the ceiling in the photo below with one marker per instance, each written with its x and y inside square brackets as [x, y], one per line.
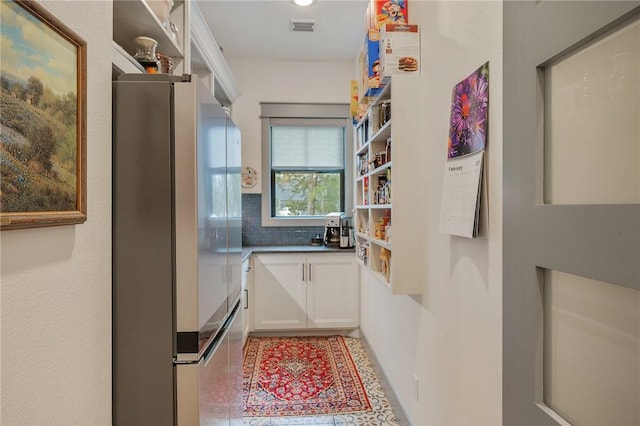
[261, 29]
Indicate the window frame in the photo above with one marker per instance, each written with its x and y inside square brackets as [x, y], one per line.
[301, 111]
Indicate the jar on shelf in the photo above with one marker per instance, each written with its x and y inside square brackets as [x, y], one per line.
[166, 63]
[162, 10]
[146, 54]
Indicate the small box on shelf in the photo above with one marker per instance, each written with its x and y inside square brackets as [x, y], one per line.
[373, 121]
[387, 149]
[362, 163]
[385, 263]
[362, 251]
[380, 262]
[362, 222]
[382, 193]
[361, 132]
[382, 219]
[382, 12]
[399, 50]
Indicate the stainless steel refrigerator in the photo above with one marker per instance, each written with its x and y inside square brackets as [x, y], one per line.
[177, 335]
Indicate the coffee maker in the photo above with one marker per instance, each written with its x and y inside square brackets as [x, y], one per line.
[332, 229]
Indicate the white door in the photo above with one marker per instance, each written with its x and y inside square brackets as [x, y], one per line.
[332, 291]
[571, 296]
[280, 292]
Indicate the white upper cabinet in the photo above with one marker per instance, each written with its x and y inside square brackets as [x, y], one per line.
[133, 18]
[191, 47]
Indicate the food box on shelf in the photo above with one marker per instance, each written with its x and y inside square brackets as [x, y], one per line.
[354, 106]
[382, 12]
[399, 50]
[371, 60]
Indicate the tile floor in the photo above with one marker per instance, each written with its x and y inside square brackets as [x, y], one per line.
[387, 410]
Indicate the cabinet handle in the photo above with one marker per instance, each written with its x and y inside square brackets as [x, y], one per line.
[246, 300]
[303, 272]
[309, 272]
[248, 269]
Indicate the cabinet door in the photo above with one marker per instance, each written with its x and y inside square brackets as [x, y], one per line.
[280, 293]
[332, 291]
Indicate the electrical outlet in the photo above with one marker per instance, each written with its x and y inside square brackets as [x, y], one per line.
[416, 387]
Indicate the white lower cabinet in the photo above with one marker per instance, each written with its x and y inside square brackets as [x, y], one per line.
[332, 291]
[305, 291]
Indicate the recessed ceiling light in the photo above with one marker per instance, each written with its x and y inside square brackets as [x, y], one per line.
[303, 2]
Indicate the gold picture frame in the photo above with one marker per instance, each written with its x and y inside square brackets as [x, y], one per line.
[43, 118]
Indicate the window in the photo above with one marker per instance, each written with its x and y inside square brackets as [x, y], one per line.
[305, 148]
[307, 169]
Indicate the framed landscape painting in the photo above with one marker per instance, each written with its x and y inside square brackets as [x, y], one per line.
[42, 118]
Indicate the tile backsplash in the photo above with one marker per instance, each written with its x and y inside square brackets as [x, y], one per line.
[254, 234]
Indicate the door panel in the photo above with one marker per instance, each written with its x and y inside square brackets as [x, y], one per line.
[332, 291]
[591, 241]
[592, 124]
[280, 292]
[591, 341]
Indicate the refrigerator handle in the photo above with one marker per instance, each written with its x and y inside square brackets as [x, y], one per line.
[208, 355]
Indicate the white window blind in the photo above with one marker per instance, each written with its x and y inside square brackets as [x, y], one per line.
[318, 147]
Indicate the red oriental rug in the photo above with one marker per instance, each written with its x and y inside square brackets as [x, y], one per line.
[301, 376]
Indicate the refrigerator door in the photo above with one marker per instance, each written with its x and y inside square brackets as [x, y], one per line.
[203, 394]
[201, 222]
[143, 333]
[220, 377]
[236, 407]
[234, 209]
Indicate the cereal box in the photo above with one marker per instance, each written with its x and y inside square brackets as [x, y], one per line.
[370, 82]
[382, 12]
[372, 59]
[399, 50]
[354, 105]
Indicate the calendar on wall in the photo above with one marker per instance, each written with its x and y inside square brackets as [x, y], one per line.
[461, 196]
[462, 184]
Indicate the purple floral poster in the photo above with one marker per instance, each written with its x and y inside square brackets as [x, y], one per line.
[469, 108]
[462, 183]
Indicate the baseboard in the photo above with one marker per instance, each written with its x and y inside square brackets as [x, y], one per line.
[352, 332]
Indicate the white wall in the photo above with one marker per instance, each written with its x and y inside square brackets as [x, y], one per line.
[56, 282]
[281, 81]
[451, 336]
